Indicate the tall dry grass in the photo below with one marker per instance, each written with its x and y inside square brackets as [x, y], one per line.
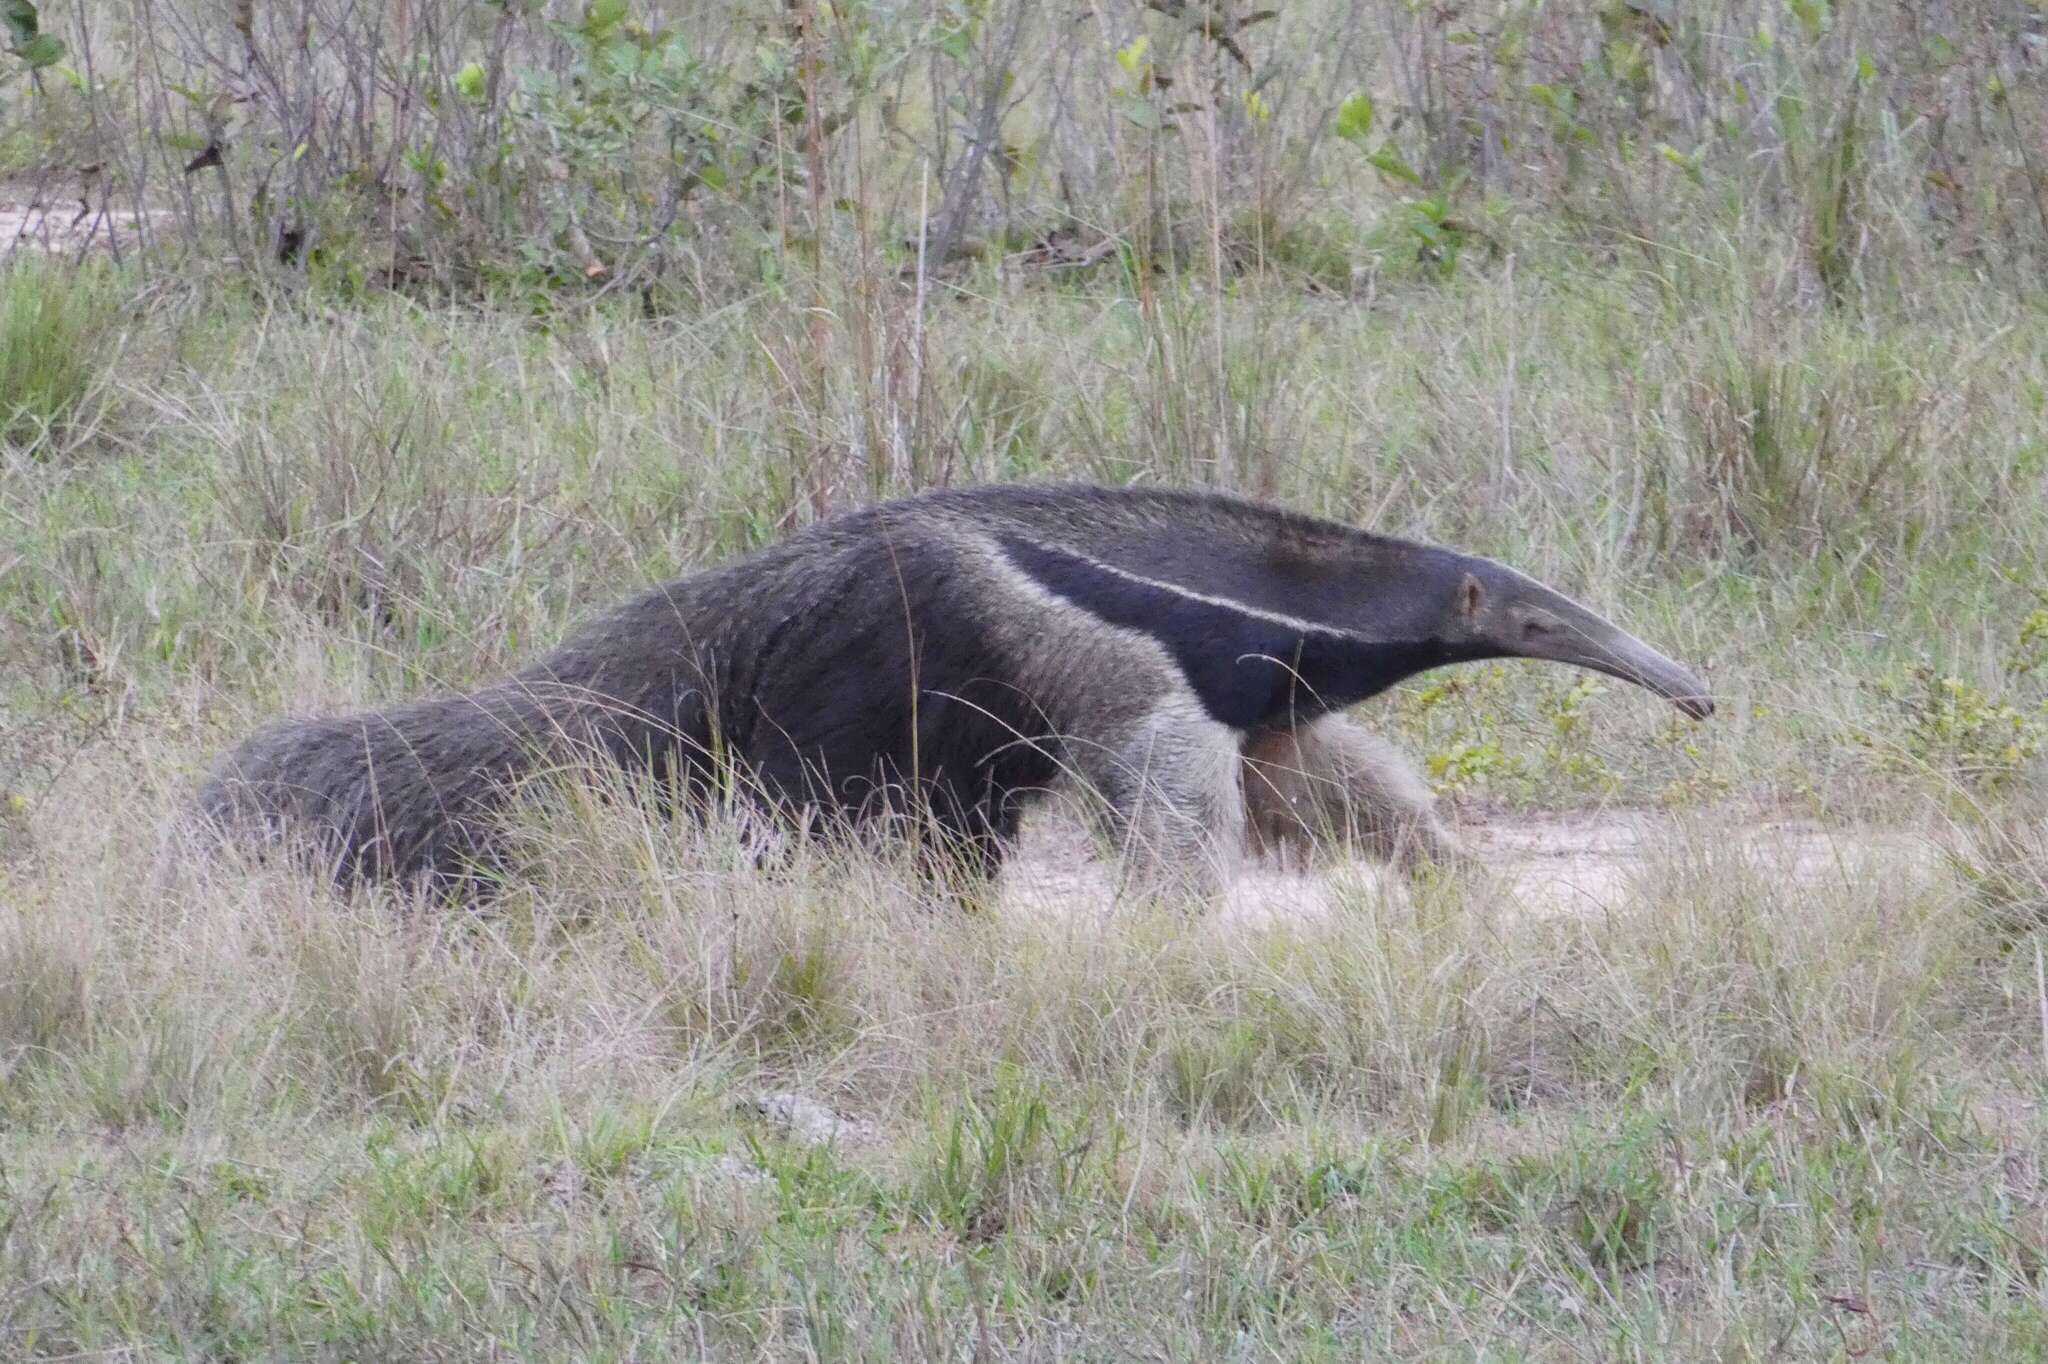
[261, 1118]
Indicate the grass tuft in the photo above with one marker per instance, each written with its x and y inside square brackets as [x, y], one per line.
[57, 343]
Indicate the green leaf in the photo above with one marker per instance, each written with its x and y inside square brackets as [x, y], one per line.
[1354, 119]
[25, 35]
[40, 51]
[22, 23]
[1689, 164]
[1390, 163]
[621, 56]
[1811, 14]
[1139, 111]
[1866, 68]
[603, 16]
[1132, 58]
[469, 81]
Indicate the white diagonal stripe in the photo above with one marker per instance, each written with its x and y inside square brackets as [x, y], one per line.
[1256, 612]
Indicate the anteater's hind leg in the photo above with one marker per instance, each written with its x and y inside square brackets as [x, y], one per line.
[961, 843]
[1167, 797]
[1331, 781]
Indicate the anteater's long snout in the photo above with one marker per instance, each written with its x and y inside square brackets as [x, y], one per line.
[1630, 659]
[1567, 632]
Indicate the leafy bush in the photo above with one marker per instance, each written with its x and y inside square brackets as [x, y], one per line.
[604, 145]
[1982, 737]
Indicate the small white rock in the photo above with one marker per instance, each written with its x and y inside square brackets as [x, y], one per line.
[807, 1119]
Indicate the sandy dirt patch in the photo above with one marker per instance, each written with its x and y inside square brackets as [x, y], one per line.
[1548, 865]
[51, 223]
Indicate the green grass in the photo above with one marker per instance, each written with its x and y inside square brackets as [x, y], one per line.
[242, 1118]
[55, 342]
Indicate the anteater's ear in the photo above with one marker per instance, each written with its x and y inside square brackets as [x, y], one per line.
[1470, 596]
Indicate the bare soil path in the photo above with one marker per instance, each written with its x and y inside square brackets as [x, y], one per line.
[58, 221]
[1585, 863]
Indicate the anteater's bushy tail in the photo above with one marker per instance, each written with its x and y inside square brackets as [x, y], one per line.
[399, 794]
[417, 791]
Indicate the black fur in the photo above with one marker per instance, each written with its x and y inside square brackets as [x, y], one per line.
[857, 668]
[1249, 671]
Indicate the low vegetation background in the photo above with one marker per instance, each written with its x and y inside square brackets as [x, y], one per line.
[353, 351]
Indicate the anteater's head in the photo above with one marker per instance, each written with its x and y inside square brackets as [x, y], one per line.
[1499, 613]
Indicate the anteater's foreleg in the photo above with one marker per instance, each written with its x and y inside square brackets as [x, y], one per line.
[1167, 796]
[1333, 782]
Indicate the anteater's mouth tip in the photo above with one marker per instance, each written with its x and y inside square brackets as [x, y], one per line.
[1657, 674]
